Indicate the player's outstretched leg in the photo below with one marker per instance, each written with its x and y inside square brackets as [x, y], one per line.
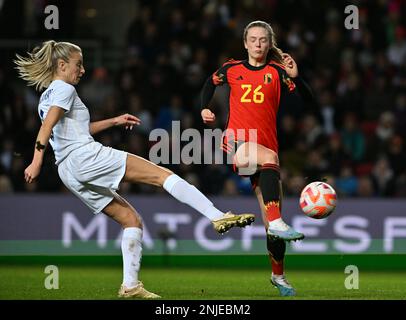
[141, 170]
[189, 194]
[269, 183]
[276, 250]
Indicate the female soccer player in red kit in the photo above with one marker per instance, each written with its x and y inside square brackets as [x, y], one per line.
[257, 86]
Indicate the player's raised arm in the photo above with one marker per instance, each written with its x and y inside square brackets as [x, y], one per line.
[44, 133]
[126, 120]
[205, 97]
[302, 87]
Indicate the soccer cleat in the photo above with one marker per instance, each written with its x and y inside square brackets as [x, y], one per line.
[136, 292]
[278, 229]
[230, 220]
[284, 287]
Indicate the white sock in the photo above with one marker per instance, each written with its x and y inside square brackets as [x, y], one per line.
[278, 276]
[131, 247]
[186, 193]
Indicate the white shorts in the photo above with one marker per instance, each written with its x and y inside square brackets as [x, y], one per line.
[93, 173]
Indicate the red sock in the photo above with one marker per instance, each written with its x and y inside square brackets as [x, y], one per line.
[272, 210]
[277, 267]
[270, 187]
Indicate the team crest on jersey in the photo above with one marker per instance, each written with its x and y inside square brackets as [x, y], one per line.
[267, 78]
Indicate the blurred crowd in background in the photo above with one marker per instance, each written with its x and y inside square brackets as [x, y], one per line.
[354, 136]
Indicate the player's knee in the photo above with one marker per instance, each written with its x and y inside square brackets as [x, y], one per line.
[132, 220]
[162, 176]
[244, 161]
[155, 178]
[270, 158]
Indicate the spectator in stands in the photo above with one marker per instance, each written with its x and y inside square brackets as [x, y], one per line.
[353, 138]
[383, 178]
[361, 69]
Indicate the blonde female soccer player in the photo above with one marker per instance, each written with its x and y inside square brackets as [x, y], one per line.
[92, 171]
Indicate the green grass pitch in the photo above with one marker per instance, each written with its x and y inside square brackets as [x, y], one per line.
[18, 281]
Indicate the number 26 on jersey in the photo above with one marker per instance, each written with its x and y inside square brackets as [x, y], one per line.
[250, 95]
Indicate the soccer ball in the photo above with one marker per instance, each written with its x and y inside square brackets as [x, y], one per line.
[318, 200]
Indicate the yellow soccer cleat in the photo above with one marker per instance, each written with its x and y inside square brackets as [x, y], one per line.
[136, 292]
[230, 220]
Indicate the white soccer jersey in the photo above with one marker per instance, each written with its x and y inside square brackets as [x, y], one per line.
[72, 131]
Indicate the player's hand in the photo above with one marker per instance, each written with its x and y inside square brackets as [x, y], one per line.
[291, 66]
[126, 120]
[208, 116]
[32, 172]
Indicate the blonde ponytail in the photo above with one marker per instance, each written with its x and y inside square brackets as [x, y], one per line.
[275, 53]
[41, 64]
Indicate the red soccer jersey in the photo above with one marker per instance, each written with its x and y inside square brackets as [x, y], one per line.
[254, 100]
